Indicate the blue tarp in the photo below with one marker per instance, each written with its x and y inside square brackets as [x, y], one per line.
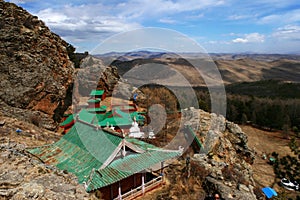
[135, 96]
[269, 192]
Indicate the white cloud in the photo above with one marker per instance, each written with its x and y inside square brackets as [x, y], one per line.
[239, 17]
[154, 8]
[85, 23]
[19, 1]
[90, 22]
[84, 18]
[168, 21]
[250, 38]
[292, 16]
[197, 16]
[82, 22]
[288, 32]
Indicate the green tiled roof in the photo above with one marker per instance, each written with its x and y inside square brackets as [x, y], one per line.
[194, 137]
[115, 117]
[100, 109]
[143, 145]
[127, 166]
[137, 116]
[94, 100]
[88, 117]
[96, 92]
[67, 121]
[72, 154]
[86, 152]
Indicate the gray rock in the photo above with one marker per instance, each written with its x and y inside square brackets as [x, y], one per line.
[23, 177]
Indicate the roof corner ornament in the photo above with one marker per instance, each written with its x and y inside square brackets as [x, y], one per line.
[85, 185]
[180, 149]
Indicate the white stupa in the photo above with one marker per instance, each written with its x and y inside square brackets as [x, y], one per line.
[135, 131]
[151, 134]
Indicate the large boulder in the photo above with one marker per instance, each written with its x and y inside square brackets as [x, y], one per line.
[95, 74]
[36, 74]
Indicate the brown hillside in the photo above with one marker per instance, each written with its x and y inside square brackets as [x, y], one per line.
[232, 70]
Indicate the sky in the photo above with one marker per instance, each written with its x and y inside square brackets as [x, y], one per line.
[219, 26]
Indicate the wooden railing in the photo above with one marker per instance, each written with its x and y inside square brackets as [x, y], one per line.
[132, 194]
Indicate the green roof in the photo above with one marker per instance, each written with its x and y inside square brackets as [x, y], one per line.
[100, 109]
[90, 154]
[127, 166]
[194, 137]
[96, 92]
[72, 154]
[87, 116]
[116, 118]
[67, 121]
[94, 100]
[137, 116]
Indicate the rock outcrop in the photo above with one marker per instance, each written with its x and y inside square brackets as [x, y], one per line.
[94, 74]
[24, 177]
[224, 155]
[36, 74]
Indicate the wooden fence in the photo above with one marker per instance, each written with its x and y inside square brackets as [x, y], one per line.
[132, 194]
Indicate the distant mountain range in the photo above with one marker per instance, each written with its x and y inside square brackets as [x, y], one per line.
[125, 56]
[233, 68]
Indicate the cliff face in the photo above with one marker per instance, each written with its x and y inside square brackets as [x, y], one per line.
[225, 155]
[35, 70]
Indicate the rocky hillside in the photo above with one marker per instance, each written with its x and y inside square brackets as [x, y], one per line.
[223, 164]
[23, 176]
[35, 71]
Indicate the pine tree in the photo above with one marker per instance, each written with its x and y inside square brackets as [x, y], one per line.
[288, 166]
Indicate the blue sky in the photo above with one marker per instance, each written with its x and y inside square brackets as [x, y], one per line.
[219, 26]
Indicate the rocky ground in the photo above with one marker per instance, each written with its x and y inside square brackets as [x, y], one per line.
[23, 176]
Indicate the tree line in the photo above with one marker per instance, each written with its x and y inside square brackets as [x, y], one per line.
[272, 113]
[279, 114]
[265, 112]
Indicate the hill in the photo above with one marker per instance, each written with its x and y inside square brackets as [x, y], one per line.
[234, 68]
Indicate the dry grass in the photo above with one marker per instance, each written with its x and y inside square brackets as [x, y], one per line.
[266, 142]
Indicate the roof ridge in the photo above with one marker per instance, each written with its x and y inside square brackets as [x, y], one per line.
[180, 149]
[97, 127]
